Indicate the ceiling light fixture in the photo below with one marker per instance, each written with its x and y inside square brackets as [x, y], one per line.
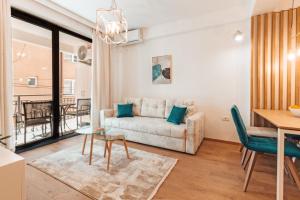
[238, 36]
[20, 54]
[291, 56]
[111, 25]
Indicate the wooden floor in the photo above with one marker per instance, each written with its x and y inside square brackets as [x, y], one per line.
[213, 174]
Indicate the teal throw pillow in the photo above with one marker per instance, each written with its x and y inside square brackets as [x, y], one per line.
[177, 114]
[125, 110]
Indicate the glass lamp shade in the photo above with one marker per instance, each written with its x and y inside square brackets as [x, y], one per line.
[112, 26]
[291, 56]
[239, 36]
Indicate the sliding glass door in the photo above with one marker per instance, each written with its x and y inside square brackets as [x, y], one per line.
[32, 82]
[75, 84]
[52, 74]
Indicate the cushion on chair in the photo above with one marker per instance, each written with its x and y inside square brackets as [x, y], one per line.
[292, 136]
[125, 110]
[153, 108]
[262, 131]
[155, 126]
[79, 112]
[177, 114]
[269, 145]
[38, 121]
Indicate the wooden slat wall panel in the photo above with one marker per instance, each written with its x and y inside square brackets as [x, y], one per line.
[297, 67]
[289, 64]
[275, 81]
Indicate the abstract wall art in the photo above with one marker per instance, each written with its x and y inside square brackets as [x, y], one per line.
[161, 69]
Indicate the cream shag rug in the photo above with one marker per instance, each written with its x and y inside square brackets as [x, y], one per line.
[136, 178]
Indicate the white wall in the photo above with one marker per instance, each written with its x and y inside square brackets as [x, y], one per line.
[208, 67]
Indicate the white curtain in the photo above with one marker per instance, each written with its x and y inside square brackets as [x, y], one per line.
[6, 128]
[101, 95]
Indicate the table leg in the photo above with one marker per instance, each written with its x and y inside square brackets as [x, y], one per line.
[84, 142]
[280, 165]
[126, 149]
[91, 150]
[105, 149]
[109, 153]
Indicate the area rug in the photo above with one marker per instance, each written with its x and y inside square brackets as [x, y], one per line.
[136, 178]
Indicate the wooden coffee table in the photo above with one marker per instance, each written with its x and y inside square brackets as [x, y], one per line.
[107, 137]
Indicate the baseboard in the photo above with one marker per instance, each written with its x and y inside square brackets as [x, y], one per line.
[222, 141]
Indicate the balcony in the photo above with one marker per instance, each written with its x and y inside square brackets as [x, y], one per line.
[33, 116]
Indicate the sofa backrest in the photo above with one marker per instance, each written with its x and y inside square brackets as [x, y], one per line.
[137, 105]
[160, 108]
[175, 102]
[153, 108]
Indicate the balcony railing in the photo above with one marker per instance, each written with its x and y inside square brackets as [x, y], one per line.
[69, 121]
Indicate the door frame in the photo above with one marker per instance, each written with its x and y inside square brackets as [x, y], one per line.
[55, 29]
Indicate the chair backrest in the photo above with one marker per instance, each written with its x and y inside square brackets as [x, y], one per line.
[239, 125]
[37, 109]
[84, 104]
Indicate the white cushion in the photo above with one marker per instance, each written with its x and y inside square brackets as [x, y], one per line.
[137, 105]
[155, 126]
[191, 108]
[153, 108]
[262, 131]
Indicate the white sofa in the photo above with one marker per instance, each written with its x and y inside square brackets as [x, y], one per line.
[149, 124]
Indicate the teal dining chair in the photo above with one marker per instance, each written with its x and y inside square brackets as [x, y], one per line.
[257, 132]
[259, 145]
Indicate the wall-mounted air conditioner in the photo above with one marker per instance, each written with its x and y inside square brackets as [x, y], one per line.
[134, 36]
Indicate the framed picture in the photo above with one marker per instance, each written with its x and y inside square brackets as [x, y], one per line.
[32, 81]
[161, 69]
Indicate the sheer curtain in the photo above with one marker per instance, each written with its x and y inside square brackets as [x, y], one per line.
[6, 73]
[101, 94]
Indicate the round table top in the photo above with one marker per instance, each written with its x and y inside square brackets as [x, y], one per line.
[89, 131]
[105, 135]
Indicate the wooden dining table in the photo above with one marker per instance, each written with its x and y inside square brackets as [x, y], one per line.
[285, 123]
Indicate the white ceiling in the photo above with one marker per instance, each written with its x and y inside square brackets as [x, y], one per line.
[27, 32]
[147, 13]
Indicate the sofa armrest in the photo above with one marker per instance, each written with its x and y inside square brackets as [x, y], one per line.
[105, 113]
[195, 132]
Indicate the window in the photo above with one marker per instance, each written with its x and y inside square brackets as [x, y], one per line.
[69, 87]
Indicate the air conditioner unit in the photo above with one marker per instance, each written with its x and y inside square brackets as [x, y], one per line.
[71, 57]
[134, 36]
[84, 55]
[74, 58]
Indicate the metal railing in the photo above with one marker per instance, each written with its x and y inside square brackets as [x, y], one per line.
[19, 99]
[18, 118]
